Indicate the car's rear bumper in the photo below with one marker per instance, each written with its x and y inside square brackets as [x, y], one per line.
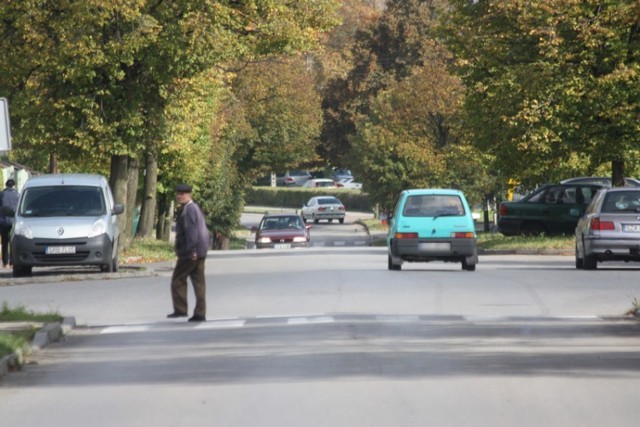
[423, 250]
[612, 249]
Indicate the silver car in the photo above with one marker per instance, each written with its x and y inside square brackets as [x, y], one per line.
[323, 207]
[610, 228]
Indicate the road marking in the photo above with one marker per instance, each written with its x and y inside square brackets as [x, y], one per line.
[309, 320]
[125, 329]
[400, 318]
[220, 324]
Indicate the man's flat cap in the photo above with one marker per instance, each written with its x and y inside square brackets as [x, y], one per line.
[183, 188]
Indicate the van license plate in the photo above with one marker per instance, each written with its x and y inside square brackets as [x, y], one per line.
[57, 250]
[631, 228]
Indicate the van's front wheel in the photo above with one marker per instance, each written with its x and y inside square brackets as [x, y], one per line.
[111, 266]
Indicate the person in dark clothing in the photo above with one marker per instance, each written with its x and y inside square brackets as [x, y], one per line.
[191, 246]
[8, 205]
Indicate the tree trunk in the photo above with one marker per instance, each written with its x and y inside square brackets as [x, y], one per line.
[53, 163]
[130, 207]
[617, 173]
[148, 210]
[118, 181]
[165, 210]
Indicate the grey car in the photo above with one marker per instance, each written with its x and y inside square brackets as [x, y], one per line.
[293, 178]
[323, 207]
[610, 228]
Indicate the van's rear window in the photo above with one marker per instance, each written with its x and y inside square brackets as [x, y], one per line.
[63, 200]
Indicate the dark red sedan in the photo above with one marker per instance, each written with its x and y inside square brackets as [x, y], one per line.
[282, 231]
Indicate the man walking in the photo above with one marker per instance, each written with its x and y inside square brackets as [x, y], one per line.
[191, 246]
[8, 205]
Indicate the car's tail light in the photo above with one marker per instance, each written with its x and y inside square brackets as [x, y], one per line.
[322, 209]
[597, 224]
[340, 208]
[290, 180]
[502, 210]
[401, 236]
[463, 235]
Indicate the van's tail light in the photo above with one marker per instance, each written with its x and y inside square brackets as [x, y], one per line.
[401, 236]
[502, 210]
[463, 235]
[597, 224]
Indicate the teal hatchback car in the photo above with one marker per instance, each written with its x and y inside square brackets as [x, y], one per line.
[432, 225]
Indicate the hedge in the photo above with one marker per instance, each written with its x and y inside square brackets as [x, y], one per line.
[295, 197]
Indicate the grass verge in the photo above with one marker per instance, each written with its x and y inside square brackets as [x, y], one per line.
[19, 339]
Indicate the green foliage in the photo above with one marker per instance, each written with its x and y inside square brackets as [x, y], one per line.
[294, 198]
[147, 250]
[553, 87]
[20, 313]
[277, 102]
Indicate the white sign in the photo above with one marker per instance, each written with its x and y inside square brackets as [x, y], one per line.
[5, 129]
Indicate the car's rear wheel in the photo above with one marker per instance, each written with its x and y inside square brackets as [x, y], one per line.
[466, 266]
[341, 220]
[392, 266]
[579, 261]
[589, 262]
[315, 220]
[533, 229]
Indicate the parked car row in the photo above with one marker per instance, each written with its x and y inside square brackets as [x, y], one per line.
[604, 220]
[341, 178]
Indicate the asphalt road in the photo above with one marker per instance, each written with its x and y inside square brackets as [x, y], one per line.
[330, 337]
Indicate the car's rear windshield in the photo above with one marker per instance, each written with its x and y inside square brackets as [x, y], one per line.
[622, 201]
[63, 200]
[329, 201]
[433, 205]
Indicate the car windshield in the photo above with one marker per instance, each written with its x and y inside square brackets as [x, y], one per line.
[433, 206]
[63, 200]
[622, 201]
[281, 223]
[329, 201]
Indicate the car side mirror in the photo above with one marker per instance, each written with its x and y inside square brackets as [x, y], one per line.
[118, 208]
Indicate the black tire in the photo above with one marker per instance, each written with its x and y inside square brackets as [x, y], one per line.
[315, 220]
[304, 219]
[341, 220]
[533, 229]
[466, 266]
[21, 271]
[579, 261]
[108, 267]
[115, 263]
[392, 266]
[330, 220]
[589, 262]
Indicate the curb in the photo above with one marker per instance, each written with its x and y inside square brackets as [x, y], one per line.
[51, 332]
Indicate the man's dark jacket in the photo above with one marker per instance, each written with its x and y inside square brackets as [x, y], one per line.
[192, 234]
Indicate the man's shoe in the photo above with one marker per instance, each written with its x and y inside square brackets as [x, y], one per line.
[175, 315]
[196, 318]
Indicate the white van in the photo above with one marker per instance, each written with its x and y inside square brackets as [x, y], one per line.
[65, 219]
